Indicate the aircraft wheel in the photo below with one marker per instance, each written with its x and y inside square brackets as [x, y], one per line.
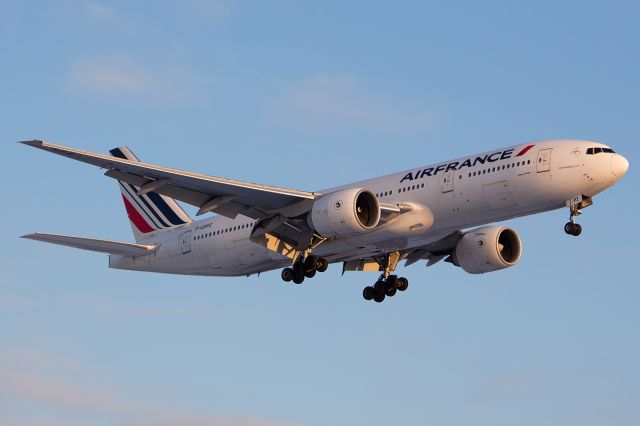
[392, 281]
[310, 263]
[298, 279]
[568, 228]
[391, 292]
[403, 283]
[368, 293]
[380, 286]
[310, 274]
[322, 264]
[378, 296]
[287, 274]
[577, 229]
[298, 269]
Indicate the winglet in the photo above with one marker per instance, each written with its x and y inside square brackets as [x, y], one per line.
[35, 143]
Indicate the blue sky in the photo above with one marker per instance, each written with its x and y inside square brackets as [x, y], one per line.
[312, 95]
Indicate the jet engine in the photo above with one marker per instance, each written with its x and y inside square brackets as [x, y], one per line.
[344, 213]
[487, 249]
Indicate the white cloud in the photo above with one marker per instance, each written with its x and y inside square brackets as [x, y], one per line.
[58, 393]
[122, 76]
[327, 101]
[98, 11]
[215, 9]
[67, 392]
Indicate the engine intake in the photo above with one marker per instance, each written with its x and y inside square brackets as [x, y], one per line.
[344, 213]
[488, 249]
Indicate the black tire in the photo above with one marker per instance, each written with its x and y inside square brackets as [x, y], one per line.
[298, 279]
[322, 264]
[310, 263]
[368, 293]
[577, 229]
[569, 228]
[392, 281]
[403, 283]
[378, 297]
[380, 286]
[298, 269]
[310, 274]
[287, 274]
[391, 292]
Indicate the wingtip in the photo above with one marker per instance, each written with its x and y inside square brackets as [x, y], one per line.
[36, 143]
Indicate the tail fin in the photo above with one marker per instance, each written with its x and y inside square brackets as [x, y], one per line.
[148, 212]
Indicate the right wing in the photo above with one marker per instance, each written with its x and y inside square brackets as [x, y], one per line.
[92, 244]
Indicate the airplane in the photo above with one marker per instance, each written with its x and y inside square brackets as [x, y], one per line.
[422, 214]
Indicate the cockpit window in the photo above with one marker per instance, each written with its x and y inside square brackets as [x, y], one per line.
[598, 150]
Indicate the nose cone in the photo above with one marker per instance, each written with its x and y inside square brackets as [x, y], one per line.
[619, 165]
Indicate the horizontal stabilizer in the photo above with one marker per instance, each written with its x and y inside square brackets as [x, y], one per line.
[92, 244]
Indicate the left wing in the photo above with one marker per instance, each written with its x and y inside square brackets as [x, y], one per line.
[224, 196]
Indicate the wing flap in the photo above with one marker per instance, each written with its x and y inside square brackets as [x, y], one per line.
[93, 244]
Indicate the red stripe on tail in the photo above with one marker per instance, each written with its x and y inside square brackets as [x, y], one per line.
[135, 217]
[525, 150]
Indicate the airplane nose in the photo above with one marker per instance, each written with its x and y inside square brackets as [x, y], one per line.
[619, 165]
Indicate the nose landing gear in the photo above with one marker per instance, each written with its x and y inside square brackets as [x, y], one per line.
[571, 227]
[575, 205]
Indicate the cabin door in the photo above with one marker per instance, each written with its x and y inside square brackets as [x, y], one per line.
[447, 182]
[185, 242]
[544, 160]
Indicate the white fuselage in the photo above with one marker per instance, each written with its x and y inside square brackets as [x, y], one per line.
[444, 197]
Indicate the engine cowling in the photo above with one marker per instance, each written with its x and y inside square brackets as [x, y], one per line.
[488, 249]
[344, 213]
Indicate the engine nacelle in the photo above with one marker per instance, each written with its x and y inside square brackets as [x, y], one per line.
[488, 249]
[344, 213]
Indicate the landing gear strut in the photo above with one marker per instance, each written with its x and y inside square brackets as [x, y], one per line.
[387, 285]
[576, 204]
[305, 264]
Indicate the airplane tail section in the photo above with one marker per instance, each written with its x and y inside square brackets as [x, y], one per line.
[148, 211]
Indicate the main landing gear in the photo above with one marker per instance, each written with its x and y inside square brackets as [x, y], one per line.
[304, 268]
[385, 287]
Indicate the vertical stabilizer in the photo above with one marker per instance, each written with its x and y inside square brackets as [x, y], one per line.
[149, 212]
